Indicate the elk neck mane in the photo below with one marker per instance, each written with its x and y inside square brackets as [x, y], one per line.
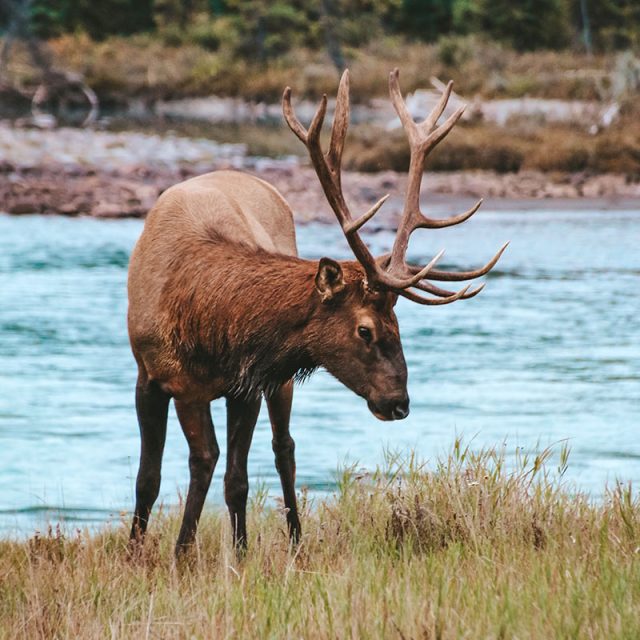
[239, 312]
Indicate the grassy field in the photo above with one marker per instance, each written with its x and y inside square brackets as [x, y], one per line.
[469, 549]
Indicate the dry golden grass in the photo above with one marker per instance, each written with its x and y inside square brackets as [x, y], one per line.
[143, 65]
[518, 146]
[469, 550]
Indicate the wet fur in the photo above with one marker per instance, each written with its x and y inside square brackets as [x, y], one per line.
[243, 314]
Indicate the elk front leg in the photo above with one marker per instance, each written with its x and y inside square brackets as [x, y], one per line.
[242, 416]
[279, 405]
[151, 406]
[196, 423]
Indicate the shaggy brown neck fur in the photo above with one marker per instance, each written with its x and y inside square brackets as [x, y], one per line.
[243, 314]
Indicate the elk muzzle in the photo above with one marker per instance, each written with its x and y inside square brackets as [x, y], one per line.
[391, 408]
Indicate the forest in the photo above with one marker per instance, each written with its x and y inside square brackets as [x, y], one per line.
[262, 30]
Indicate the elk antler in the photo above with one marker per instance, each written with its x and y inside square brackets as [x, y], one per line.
[391, 271]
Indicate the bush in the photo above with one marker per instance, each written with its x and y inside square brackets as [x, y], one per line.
[371, 151]
[617, 152]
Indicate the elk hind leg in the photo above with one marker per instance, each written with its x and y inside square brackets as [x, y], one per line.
[197, 425]
[242, 416]
[279, 405]
[152, 407]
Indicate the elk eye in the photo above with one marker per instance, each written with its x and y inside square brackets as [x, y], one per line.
[365, 334]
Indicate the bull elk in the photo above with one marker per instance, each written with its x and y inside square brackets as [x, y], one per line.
[220, 305]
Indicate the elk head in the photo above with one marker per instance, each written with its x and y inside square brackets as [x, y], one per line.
[361, 340]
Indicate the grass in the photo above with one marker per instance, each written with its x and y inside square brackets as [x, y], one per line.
[471, 549]
[149, 67]
[519, 146]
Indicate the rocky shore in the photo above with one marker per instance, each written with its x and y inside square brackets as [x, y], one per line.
[82, 172]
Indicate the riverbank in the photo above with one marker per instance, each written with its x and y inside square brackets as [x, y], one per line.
[82, 191]
[120, 174]
[470, 550]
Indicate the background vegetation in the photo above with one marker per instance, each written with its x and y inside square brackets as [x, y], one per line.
[139, 52]
[260, 29]
[167, 48]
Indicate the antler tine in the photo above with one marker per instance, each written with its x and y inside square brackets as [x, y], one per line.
[441, 223]
[400, 106]
[339, 127]
[289, 115]
[431, 120]
[404, 283]
[423, 285]
[363, 219]
[458, 276]
[313, 134]
[414, 297]
[439, 133]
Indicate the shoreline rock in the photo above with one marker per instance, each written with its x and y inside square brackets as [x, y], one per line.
[130, 192]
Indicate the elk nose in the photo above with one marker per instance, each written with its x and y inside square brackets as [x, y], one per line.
[401, 410]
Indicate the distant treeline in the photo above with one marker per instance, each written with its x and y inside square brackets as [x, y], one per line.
[260, 29]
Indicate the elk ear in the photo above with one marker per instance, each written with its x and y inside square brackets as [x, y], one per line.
[329, 279]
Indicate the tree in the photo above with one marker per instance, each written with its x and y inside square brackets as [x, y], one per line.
[51, 17]
[523, 24]
[614, 24]
[426, 19]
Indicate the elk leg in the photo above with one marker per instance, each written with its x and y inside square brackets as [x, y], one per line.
[151, 406]
[242, 416]
[196, 423]
[279, 405]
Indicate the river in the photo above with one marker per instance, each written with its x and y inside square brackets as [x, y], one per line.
[549, 352]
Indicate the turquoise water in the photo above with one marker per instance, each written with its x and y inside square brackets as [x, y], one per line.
[549, 351]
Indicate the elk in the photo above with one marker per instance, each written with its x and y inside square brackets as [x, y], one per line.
[220, 305]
